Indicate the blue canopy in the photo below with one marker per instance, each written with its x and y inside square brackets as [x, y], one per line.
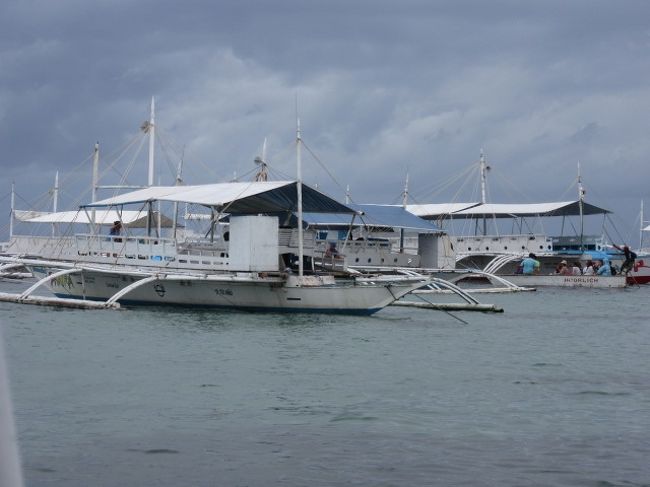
[383, 216]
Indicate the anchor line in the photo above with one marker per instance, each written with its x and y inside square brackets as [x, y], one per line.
[443, 310]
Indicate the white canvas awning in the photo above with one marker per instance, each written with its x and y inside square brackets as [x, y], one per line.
[647, 229]
[248, 197]
[132, 219]
[516, 210]
[438, 210]
[25, 215]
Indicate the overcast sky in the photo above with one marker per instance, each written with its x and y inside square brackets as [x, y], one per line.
[383, 88]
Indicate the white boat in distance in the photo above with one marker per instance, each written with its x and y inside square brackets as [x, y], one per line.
[243, 270]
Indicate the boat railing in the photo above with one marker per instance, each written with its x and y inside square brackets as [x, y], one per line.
[363, 252]
[513, 244]
[140, 247]
[43, 246]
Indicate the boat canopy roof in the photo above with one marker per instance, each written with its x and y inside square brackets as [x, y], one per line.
[132, 219]
[505, 210]
[516, 210]
[437, 210]
[384, 216]
[235, 198]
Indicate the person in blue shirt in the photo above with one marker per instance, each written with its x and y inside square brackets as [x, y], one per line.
[530, 264]
[605, 269]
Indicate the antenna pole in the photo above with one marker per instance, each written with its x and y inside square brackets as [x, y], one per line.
[405, 198]
[55, 193]
[641, 228]
[179, 180]
[483, 170]
[581, 199]
[152, 131]
[264, 151]
[13, 209]
[299, 191]
[483, 177]
[95, 181]
[55, 199]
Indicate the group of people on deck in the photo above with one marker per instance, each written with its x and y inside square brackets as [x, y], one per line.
[603, 267]
[591, 268]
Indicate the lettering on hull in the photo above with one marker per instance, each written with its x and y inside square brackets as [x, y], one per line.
[223, 291]
[581, 280]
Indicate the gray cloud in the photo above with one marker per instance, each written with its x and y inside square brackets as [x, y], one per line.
[383, 88]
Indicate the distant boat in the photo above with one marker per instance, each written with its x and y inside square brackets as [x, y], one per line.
[556, 280]
[500, 253]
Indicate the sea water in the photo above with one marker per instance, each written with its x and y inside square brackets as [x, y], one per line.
[554, 391]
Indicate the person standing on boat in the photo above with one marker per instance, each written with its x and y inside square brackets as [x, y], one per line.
[116, 229]
[530, 265]
[630, 257]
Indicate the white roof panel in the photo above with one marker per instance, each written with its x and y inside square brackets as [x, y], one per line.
[102, 217]
[435, 210]
[511, 210]
[247, 197]
[503, 210]
[204, 194]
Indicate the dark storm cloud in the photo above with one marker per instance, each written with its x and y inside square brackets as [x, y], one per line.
[383, 87]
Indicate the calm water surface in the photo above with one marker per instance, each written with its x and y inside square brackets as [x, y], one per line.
[555, 391]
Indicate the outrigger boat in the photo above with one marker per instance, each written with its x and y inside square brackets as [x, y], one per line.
[252, 257]
[500, 252]
[244, 269]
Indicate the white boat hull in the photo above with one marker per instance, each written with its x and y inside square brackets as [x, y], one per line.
[539, 280]
[247, 292]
